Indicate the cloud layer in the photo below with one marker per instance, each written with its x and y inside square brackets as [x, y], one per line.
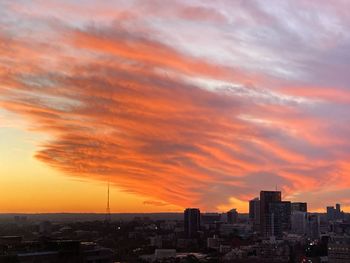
[188, 104]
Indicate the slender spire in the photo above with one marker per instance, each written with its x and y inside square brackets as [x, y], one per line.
[108, 210]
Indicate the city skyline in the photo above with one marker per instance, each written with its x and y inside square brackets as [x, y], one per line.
[189, 104]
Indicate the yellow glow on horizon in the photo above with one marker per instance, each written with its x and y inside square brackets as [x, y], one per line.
[234, 203]
[29, 186]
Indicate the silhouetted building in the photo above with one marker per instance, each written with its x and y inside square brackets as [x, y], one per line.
[53, 251]
[232, 216]
[266, 222]
[334, 213]
[45, 228]
[330, 213]
[338, 212]
[210, 218]
[299, 206]
[254, 213]
[339, 249]
[192, 222]
[313, 226]
[280, 215]
[298, 222]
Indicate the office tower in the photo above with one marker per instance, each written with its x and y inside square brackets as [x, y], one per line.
[280, 216]
[334, 213]
[254, 213]
[299, 206]
[192, 222]
[266, 223]
[330, 213]
[313, 226]
[232, 216]
[298, 222]
[337, 208]
[338, 212]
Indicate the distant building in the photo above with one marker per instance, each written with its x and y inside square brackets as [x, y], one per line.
[164, 253]
[313, 226]
[298, 222]
[334, 213]
[210, 218]
[280, 216]
[67, 251]
[330, 213]
[338, 213]
[241, 230]
[254, 213]
[339, 249]
[213, 242]
[266, 223]
[232, 216]
[299, 206]
[45, 228]
[192, 222]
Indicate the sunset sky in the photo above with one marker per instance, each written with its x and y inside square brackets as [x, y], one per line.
[177, 103]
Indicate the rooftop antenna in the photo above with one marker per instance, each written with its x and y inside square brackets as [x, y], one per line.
[108, 210]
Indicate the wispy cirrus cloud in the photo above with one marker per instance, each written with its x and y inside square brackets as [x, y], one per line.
[184, 127]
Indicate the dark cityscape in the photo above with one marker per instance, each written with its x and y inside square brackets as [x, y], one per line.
[174, 131]
[275, 230]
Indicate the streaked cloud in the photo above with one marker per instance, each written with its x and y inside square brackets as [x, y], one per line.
[187, 104]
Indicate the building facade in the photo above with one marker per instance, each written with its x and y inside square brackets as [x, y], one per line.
[266, 222]
[192, 222]
[254, 213]
[232, 216]
[299, 206]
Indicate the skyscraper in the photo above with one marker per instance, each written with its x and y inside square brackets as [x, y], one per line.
[280, 216]
[330, 213]
[266, 222]
[192, 222]
[232, 216]
[298, 222]
[254, 213]
[338, 212]
[313, 226]
[299, 206]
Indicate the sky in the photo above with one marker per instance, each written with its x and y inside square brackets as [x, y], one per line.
[177, 104]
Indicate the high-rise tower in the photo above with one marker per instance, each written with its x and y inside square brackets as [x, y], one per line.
[192, 220]
[266, 220]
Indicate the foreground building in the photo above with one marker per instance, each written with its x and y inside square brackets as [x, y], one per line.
[339, 249]
[266, 222]
[232, 216]
[254, 213]
[299, 206]
[192, 222]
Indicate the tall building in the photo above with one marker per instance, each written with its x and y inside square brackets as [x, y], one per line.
[334, 213]
[338, 212]
[330, 213]
[192, 222]
[266, 223]
[299, 206]
[313, 226]
[232, 216]
[254, 213]
[298, 222]
[280, 216]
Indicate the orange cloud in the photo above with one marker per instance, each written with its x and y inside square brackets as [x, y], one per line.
[118, 104]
